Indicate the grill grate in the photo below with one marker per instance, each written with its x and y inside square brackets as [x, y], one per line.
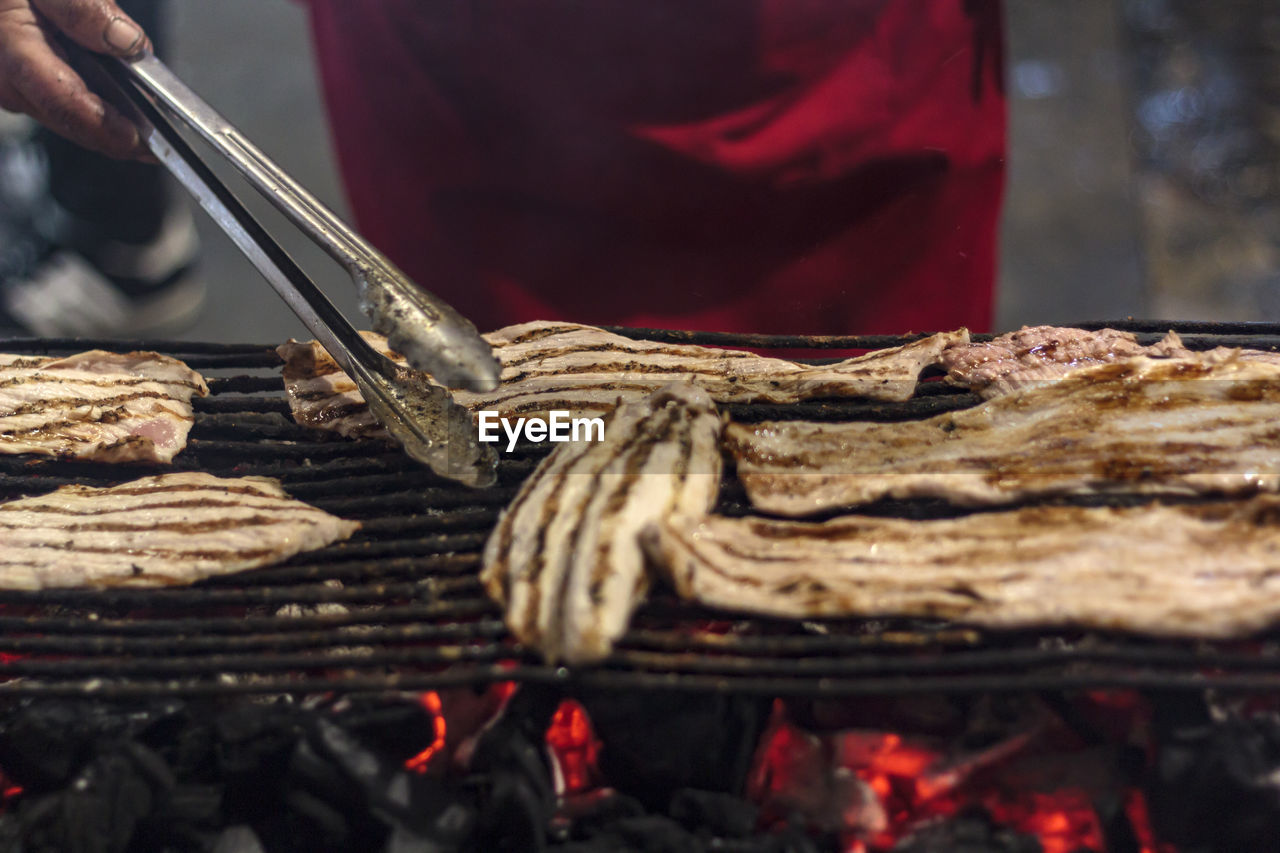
[399, 606]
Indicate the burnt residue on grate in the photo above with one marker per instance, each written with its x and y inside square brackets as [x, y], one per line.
[398, 606]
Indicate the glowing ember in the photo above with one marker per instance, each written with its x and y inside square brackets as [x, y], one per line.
[419, 762]
[1028, 775]
[1064, 821]
[575, 747]
[801, 774]
[873, 788]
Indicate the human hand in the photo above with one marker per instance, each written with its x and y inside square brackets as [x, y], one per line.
[36, 79]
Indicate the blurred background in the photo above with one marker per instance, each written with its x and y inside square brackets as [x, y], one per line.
[1144, 161]
[1144, 173]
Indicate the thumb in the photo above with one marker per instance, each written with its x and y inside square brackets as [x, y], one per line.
[98, 25]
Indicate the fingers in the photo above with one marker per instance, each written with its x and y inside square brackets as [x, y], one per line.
[38, 82]
[14, 102]
[35, 80]
[98, 25]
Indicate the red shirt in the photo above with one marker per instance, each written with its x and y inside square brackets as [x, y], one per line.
[792, 166]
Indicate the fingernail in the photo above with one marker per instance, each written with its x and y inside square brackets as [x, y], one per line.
[123, 36]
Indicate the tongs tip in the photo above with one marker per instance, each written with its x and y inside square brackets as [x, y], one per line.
[431, 335]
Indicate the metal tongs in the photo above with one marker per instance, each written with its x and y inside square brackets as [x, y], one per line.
[434, 337]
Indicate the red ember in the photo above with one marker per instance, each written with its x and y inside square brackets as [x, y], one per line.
[874, 787]
[419, 762]
[574, 744]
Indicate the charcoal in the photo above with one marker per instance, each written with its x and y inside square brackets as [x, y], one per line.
[517, 739]
[656, 743]
[237, 839]
[606, 810]
[714, 813]
[360, 765]
[967, 833]
[422, 811]
[929, 714]
[346, 796]
[698, 821]
[176, 777]
[253, 744]
[399, 731]
[42, 745]
[655, 834]
[195, 804]
[519, 797]
[320, 777]
[276, 778]
[1215, 782]
[598, 844]
[515, 814]
[97, 813]
[790, 839]
[42, 751]
[645, 833]
[318, 825]
[406, 841]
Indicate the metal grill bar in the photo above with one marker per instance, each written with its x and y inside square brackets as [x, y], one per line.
[399, 606]
[459, 676]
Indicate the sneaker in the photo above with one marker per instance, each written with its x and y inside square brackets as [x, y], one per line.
[107, 289]
[61, 276]
[24, 173]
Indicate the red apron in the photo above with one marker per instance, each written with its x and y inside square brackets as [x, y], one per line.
[791, 166]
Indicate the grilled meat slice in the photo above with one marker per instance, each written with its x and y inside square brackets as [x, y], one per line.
[586, 371]
[322, 396]
[157, 531]
[1034, 355]
[1207, 570]
[565, 560]
[1200, 424]
[97, 406]
[544, 363]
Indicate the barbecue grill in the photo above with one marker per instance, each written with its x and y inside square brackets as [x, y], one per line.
[399, 606]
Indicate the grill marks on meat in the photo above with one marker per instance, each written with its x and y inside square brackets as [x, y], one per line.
[98, 406]
[555, 365]
[1207, 423]
[1034, 355]
[156, 531]
[322, 396]
[565, 559]
[585, 370]
[1200, 571]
